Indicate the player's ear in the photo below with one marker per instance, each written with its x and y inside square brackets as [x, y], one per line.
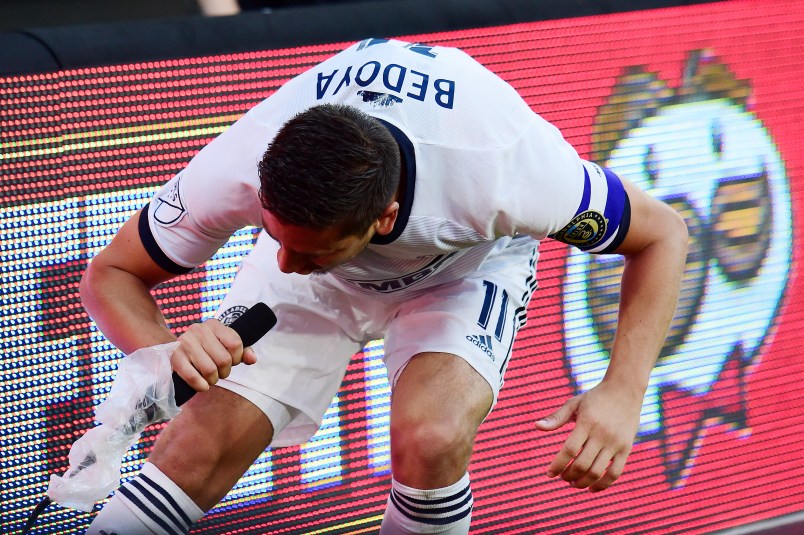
[385, 223]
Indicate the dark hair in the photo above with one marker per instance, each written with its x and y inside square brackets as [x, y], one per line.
[330, 165]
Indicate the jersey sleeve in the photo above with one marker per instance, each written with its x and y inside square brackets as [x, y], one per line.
[552, 192]
[198, 210]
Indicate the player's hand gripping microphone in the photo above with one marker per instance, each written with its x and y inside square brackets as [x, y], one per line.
[145, 391]
[251, 326]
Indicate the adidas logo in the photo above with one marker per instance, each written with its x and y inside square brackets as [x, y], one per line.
[482, 341]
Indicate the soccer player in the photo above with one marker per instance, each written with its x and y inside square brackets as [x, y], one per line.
[402, 191]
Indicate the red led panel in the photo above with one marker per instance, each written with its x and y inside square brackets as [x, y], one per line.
[699, 105]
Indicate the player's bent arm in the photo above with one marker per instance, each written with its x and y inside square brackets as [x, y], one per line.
[655, 251]
[115, 291]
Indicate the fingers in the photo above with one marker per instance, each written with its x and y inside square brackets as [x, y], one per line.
[187, 372]
[589, 466]
[578, 471]
[572, 447]
[206, 353]
[249, 356]
[229, 339]
[613, 473]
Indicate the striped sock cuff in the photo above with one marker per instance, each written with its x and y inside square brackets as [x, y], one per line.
[159, 502]
[437, 507]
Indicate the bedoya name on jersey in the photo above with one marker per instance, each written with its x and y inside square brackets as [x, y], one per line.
[482, 168]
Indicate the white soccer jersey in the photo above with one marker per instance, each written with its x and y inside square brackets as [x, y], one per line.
[482, 168]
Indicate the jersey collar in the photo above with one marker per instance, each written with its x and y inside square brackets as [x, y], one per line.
[406, 203]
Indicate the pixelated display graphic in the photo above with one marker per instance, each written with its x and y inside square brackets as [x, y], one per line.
[700, 149]
[699, 105]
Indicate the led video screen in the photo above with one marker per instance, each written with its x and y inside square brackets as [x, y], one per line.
[699, 105]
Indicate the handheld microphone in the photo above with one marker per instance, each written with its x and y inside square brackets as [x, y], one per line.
[251, 326]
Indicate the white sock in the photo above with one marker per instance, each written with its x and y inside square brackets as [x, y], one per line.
[149, 504]
[447, 511]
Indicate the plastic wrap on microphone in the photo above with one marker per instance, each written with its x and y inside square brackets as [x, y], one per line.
[141, 394]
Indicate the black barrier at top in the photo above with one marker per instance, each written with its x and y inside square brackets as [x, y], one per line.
[39, 50]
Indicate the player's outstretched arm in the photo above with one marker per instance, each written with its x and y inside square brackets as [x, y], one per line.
[607, 416]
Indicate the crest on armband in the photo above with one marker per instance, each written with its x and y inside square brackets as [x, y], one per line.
[585, 230]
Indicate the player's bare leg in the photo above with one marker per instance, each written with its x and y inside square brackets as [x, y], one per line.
[197, 459]
[438, 403]
[211, 443]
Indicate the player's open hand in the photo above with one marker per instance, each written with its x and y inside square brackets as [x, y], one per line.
[207, 351]
[606, 421]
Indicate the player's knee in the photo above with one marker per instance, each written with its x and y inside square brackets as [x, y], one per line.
[429, 443]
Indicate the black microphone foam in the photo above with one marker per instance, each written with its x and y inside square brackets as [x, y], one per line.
[251, 326]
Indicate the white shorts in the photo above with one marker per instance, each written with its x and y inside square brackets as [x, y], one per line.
[301, 362]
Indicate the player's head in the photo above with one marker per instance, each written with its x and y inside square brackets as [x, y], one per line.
[330, 166]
